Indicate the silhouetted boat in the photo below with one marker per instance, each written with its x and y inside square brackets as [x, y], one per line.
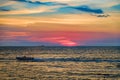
[24, 58]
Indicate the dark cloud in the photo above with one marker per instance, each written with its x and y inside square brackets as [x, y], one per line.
[88, 9]
[20, 0]
[81, 9]
[4, 10]
[42, 3]
[101, 15]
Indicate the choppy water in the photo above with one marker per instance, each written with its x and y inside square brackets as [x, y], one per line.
[60, 63]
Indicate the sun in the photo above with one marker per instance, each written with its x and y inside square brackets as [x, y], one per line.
[67, 43]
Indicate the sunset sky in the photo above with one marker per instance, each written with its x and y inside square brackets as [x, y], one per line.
[60, 22]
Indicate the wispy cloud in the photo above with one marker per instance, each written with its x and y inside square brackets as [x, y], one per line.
[57, 6]
[87, 9]
[66, 22]
[61, 37]
[96, 3]
[4, 10]
[7, 3]
[30, 11]
[40, 3]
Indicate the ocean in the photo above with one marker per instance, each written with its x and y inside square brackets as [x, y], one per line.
[60, 63]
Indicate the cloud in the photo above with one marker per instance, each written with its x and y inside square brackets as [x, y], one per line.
[30, 11]
[40, 3]
[80, 9]
[5, 28]
[68, 38]
[62, 6]
[68, 22]
[58, 39]
[101, 15]
[7, 3]
[27, 7]
[65, 38]
[13, 36]
[95, 3]
[116, 7]
[88, 9]
[4, 9]
[21, 0]
[16, 34]
[36, 2]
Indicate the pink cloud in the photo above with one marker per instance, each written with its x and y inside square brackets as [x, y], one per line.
[68, 38]
[12, 35]
[61, 38]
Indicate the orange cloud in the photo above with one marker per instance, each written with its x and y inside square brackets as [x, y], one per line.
[30, 11]
[14, 34]
[66, 23]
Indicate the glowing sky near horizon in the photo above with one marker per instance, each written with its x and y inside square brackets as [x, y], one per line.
[60, 22]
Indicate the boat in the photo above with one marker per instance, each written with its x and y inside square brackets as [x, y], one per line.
[24, 58]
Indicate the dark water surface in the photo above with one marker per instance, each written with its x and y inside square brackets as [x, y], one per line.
[60, 63]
